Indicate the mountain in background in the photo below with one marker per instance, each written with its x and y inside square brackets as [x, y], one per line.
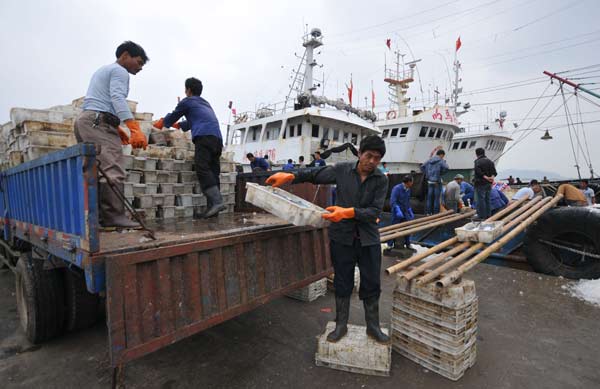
[529, 174]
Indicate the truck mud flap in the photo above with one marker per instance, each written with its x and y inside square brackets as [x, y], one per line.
[158, 296]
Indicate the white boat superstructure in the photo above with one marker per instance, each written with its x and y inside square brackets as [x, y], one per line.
[302, 125]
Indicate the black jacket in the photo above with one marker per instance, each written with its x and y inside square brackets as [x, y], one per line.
[367, 199]
[484, 167]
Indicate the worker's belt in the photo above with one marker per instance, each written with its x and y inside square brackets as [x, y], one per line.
[108, 118]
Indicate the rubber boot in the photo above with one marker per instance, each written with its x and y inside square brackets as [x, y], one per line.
[113, 209]
[372, 318]
[342, 311]
[214, 198]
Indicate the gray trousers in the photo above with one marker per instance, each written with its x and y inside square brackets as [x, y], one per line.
[107, 137]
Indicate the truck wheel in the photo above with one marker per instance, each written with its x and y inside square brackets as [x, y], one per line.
[555, 244]
[40, 299]
[82, 306]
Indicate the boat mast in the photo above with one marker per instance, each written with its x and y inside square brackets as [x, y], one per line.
[398, 83]
[311, 42]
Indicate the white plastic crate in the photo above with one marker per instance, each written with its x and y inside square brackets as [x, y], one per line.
[285, 205]
[355, 352]
[310, 292]
[483, 232]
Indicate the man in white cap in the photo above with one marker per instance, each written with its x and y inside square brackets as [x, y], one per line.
[452, 197]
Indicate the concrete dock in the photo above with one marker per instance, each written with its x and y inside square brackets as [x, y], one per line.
[532, 334]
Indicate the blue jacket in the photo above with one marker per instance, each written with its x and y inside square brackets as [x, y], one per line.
[434, 169]
[468, 192]
[201, 118]
[260, 163]
[400, 204]
[497, 199]
[288, 166]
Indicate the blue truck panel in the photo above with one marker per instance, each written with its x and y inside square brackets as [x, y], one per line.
[52, 203]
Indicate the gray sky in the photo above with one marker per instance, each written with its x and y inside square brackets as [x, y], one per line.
[244, 51]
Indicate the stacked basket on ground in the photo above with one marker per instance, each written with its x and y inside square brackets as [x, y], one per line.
[436, 328]
[310, 292]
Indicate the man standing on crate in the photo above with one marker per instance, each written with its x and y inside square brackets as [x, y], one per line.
[104, 107]
[354, 236]
[207, 138]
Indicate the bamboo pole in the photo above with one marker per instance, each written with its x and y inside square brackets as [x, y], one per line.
[415, 225]
[426, 226]
[477, 246]
[457, 273]
[440, 258]
[419, 220]
[449, 242]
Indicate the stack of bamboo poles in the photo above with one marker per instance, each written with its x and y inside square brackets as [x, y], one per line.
[410, 227]
[516, 217]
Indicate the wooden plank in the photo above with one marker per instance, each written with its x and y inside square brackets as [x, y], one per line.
[191, 288]
[167, 301]
[133, 318]
[232, 277]
[242, 263]
[219, 276]
[260, 266]
[207, 286]
[147, 299]
[115, 311]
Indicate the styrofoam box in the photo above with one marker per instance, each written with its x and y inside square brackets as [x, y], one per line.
[355, 352]
[285, 205]
[483, 232]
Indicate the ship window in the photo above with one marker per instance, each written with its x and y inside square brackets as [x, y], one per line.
[472, 144]
[315, 130]
[325, 133]
[299, 130]
[431, 132]
[394, 131]
[346, 135]
[385, 133]
[423, 132]
[354, 139]
[463, 145]
[450, 136]
[444, 134]
[291, 131]
[336, 135]
[455, 146]
[438, 135]
[403, 132]
[238, 135]
[254, 133]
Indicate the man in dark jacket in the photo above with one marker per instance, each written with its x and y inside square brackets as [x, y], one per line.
[400, 206]
[485, 171]
[354, 236]
[433, 170]
[207, 138]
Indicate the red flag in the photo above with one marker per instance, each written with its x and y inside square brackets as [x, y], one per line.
[388, 43]
[350, 90]
[458, 43]
[233, 111]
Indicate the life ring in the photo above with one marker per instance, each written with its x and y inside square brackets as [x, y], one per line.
[391, 115]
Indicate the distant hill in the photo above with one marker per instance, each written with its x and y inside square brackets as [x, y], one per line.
[529, 174]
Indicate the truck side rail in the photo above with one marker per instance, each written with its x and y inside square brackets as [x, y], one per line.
[51, 202]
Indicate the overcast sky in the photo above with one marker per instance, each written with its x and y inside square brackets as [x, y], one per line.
[244, 51]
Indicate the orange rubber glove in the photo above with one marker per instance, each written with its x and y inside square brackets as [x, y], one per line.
[279, 179]
[123, 135]
[177, 126]
[137, 138]
[159, 123]
[338, 214]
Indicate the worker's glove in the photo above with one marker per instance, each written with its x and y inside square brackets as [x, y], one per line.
[177, 126]
[410, 215]
[397, 212]
[123, 135]
[338, 214]
[137, 138]
[159, 123]
[279, 179]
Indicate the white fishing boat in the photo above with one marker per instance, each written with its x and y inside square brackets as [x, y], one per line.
[303, 124]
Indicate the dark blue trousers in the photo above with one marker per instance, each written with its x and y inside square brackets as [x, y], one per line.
[344, 260]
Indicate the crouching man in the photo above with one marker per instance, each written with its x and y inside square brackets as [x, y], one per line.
[354, 236]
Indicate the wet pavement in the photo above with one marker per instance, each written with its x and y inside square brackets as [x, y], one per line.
[532, 334]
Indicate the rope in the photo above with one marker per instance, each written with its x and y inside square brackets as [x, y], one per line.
[584, 135]
[560, 246]
[569, 127]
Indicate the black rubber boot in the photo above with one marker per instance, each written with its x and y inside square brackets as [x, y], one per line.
[372, 318]
[214, 198]
[342, 311]
[112, 209]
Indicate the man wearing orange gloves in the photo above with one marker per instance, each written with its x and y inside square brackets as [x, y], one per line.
[354, 236]
[104, 107]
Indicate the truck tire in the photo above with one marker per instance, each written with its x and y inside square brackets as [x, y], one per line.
[40, 299]
[577, 228]
[82, 306]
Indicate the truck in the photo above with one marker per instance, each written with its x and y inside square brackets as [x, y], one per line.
[196, 274]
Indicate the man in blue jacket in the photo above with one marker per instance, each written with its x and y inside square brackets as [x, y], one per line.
[497, 200]
[289, 165]
[207, 138]
[468, 193]
[400, 206]
[258, 163]
[433, 170]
